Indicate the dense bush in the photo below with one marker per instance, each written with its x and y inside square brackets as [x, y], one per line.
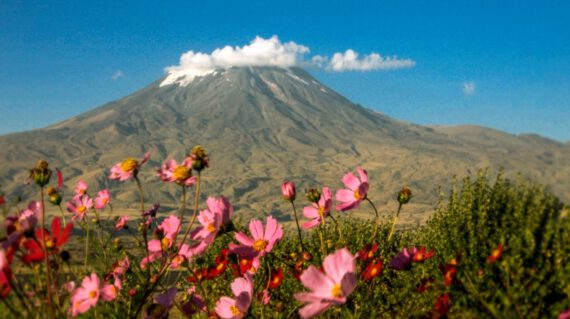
[491, 250]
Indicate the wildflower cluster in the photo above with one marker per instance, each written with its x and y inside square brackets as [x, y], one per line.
[198, 260]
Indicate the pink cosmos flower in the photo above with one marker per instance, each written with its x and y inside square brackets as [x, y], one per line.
[329, 288]
[181, 174]
[237, 308]
[29, 217]
[121, 222]
[355, 191]
[288, 191]
[86, 296]
[212, 220]
[319, 210]
[102, 199]
[565, 314]
[262, 241]
[185, 253]
[169, 228]
[121, 267]
[79, 205]
[127, 168]
[109, 291]
[81, 188]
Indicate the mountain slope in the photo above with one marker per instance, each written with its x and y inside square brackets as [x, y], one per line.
[262, 125]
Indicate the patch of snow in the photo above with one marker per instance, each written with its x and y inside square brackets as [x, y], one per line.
[297, 78]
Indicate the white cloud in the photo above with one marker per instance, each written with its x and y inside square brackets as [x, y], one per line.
[350, 61]
[273, 52]
[117, 75]
[260, 52]
[468, 88]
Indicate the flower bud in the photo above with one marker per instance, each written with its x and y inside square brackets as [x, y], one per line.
[307, 256]
[200, 159]
[65, 256]
[404, 195]
[54, 196]
[41, 173]
[313, 195]
[288, 191]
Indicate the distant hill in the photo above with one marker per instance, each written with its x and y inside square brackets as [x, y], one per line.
[262, 125]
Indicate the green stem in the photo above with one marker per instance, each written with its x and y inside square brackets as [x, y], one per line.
[321, 230]
[62, 215]
[196, 199]
[298, 227]
[341, 237]
[86, 258]
[182, 204]
[377, 217]
[144, 233]
[394, 223]
[43, 239]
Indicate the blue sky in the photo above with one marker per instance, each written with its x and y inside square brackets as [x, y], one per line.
[502, 64]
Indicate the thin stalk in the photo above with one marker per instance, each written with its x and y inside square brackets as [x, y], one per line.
[167, 264]
[394, 222]
[86, 258]
[196, 198]
[321, 230]
[62, 215]
[145, 237]
[341, 238]
[48, 279]
[183, 203]
[377, 217]
[298, 227]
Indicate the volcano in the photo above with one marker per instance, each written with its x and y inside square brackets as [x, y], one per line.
[264, 125]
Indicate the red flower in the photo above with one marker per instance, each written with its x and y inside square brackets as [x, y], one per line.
[197, 275]
[495, 254]
[53, 241]
[5, 275]
[298, 269]
[276, 278]
[367, 252]
[421, 255]
[221, 265]
[449, 272]
[442, 305]
[2, 200]
[372, 270]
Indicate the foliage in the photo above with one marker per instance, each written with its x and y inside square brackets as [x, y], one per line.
[496, 250]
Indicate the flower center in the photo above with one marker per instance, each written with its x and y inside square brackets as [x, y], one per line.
[181, 173]
[259, 245]
[235, 311]
[336, 291]
[374, 271]
[357, 195]
[211, 228]
[129, 165]
[104, 200]
[321, 212]
[81, 209]
[165, 243]
[92, 294]
[49, 244]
